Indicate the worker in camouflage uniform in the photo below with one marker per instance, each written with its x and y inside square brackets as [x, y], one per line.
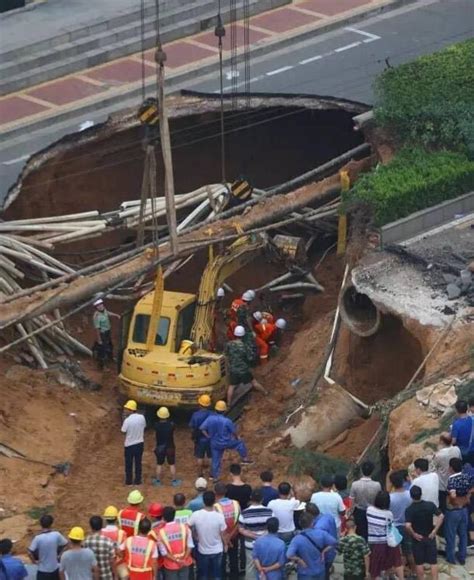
[239, 363]
[103, 347]
[249, 337]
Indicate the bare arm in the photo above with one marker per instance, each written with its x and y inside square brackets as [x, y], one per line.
[62, 576]
[412, 532]
[32, 557]
[367, 564]
[247, 533]
[439, 521]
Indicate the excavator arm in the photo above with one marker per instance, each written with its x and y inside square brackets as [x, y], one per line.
[218, 269]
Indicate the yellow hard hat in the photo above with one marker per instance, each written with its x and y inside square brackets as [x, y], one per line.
[110, 513]
[135, 497]
[131, 405]
[77, 534]
[163, 413]
[204, 401]
[221, 406]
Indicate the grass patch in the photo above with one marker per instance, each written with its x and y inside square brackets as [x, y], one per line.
[305, 462]
[36, 512]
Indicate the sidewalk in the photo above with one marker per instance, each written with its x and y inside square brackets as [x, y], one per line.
[120, 77]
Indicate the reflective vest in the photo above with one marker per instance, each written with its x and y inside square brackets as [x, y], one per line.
[182, 516]
[156, 527]
[129, 519]
[230, 509]
[116, 535]
[236, 304]
[139, 554]
[174, 536]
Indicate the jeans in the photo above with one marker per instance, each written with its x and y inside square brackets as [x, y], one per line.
[209, 566]
[312, 577]
[455, 524]
[232, 556]
[47, 575]
[133, 456]
[182, 574]
[217, 451]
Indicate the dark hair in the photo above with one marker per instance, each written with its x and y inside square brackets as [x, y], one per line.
[220, 488]
[422, 464]
[209, 498]
[266, 476]
[96, 523]
[471, 402]
[284, 488]
[256, 496]
[306, 520]
[326, 480]
[179, 499]
[382, 500]
[235, 469]
[6, 546]
[461, 406]
[272, 525]
[397, 479]
[415, 492]
[455, 464]
[446, 438]
[350, 523]
[46, 521]
[312, 509]
[367, 468]
[340, 481]
[168, 513]
[144, 526]
[404, 473]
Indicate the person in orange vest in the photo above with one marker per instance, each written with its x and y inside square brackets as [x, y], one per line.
[117, 536]
[241, 304]
[175, 543]
[141, 554]
[129, 518]
[155, 511]
[264, 330]
[230, 509]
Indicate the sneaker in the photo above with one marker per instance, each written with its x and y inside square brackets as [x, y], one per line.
[176, 482]
[156, 482]
[247, 462]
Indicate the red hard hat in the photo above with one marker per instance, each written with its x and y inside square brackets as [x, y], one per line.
[155, 510]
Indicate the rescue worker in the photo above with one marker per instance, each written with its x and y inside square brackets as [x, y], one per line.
[130, 517]
[155, 511]
[183, 513]
[103, 347]
[133, 426]
[217, 339]
[141, 554]
[230, 509]
[280, 327]
[202, 445]
[239, 365]
[117, 536]
[175, 543]
[165, 447]
[243, 302]
[264, 330]
[222, 433]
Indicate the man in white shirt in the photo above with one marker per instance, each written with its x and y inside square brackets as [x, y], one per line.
[284, 508]
[134, 428]
[446, 452]
[428, 481]
[328, 501]
[209, 529]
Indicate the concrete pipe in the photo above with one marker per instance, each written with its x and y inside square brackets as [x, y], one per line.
[359, 312]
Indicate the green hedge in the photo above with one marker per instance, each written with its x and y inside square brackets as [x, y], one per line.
[414, 180]
[431, 100]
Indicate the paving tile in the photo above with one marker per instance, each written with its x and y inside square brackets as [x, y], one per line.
[181, 53]
[331, 7]
[13, 108]
[283, 20]
[209, 38]
[65, 91]
[122, 71]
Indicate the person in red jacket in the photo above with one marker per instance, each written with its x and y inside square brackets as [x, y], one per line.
[175, 543]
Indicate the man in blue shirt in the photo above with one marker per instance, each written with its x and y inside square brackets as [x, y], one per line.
[462, 432]
[325, 523]
[197, 503]
[202, 444]
[308, 548]
[223, 435]
[269, 553]
[14, 568]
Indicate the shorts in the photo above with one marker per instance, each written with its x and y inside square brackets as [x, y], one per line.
[425, 551]
[168, 453]
[240, 379]
[202, 449]
[406, 545]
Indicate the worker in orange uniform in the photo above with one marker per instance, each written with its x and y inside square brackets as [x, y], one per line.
[230, 509]
[264, 330]
[130, 517]
[175, 543]
[155, 511]
[234, 316]
[117, 536]
[141, 554]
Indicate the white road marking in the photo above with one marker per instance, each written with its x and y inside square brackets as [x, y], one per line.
[312, 59]
[17, 160]
[279, 70]
[370, 37]
[232, 74]
[347, 46]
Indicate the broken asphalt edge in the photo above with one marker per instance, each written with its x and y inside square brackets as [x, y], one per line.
[94, 105]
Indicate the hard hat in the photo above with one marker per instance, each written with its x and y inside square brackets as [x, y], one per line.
[77, 534]
[163, 413]
[221, 406]
[220, 293]
[281, 323]
[155, 510]
[131, 405]
[110, 513]
[239, 330]
[204, 401]
[248, 295]
[258, 315]
[98, 302]
[135, 497]
[200, 483]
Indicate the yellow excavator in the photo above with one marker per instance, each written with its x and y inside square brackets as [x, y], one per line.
[166, 360]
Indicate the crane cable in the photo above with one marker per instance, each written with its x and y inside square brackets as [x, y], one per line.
[219, 31]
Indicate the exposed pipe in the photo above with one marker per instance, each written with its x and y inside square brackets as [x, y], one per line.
[359, 312]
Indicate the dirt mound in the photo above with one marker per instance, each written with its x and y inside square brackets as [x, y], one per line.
[353, 441]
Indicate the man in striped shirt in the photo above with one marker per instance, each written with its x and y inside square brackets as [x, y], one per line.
[252, 525]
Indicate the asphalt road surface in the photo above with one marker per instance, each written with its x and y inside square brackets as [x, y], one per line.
[341, 63]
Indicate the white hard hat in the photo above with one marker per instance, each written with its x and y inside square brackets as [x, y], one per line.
[248, 295]
[98, 302]
[281, 323]
[200, 483]
[220, 293]
[258, 315]
[239, 331]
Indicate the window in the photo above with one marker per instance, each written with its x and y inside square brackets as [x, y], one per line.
[140, 330]
[185, 324]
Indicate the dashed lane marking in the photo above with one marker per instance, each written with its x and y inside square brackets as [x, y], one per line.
[347, 47]
[279, 70]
